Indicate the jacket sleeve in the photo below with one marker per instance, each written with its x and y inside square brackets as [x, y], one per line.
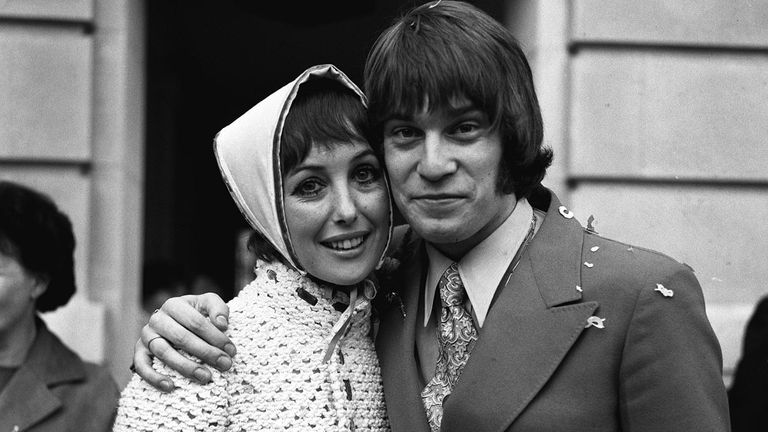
[189, 407]
[100, 405]
[671, 369]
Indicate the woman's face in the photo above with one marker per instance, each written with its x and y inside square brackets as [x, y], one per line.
[337, 210]
[18, 289]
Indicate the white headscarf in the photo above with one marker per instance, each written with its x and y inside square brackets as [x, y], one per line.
[248, 153]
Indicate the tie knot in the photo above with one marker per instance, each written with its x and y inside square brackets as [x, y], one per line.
[451, 287]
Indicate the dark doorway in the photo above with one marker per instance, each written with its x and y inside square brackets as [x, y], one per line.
[209, 62]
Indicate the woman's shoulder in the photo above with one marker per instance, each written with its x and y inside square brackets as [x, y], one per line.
[273, 284]
[278, 298]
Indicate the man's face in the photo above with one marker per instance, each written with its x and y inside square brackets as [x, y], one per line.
[443, 166]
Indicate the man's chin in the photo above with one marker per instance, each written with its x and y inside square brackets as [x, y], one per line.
[438, 231]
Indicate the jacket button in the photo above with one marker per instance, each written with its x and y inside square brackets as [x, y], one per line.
[565, 212]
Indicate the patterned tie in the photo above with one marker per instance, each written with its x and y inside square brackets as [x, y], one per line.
[457, 336]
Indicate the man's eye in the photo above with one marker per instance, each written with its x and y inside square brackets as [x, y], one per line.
[466, 128]
[404, 132]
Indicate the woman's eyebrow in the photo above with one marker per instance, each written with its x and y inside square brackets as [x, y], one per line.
[299, 168]
[319, 167]
[364, 153]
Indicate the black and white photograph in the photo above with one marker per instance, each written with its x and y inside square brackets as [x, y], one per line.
[372, 215]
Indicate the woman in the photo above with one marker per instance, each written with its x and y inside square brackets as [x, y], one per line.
[299, 167]
[44, 386]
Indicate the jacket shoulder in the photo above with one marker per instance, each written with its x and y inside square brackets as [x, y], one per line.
[619, 252]
[613, 264]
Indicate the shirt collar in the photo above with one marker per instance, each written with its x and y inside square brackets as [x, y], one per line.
[482, 268]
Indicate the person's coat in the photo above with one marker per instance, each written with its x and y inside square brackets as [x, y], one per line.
[55, 391]
[588, 334]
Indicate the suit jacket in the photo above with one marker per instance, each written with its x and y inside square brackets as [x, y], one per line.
[56, 391]
[655, 365]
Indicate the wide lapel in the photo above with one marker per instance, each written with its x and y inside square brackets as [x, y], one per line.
[529, 330]
[48, 363]
[395, 346]
[38, 402]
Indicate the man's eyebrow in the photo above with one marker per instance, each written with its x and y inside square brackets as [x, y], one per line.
[399, 117]
[449, 109]
[455, 111]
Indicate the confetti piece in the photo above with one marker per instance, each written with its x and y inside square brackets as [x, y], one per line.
[594, 248]
[578, 288]
[666, 292]
[565, 212]
[588, 264]
[595, 321]
[591, 224]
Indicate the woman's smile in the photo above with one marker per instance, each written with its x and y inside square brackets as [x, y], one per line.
[345, 244]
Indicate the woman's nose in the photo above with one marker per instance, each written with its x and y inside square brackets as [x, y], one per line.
[345, 206]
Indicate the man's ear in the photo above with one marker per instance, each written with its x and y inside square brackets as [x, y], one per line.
[40, 285]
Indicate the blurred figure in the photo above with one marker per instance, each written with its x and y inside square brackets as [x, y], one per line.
[748, 395]
[44, 386]
[162, 280]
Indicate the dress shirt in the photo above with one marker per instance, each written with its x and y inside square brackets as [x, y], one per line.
[481, 270]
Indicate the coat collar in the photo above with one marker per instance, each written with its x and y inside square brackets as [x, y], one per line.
[396, 346]
[27, 398]
[530, 328]
[559, 241]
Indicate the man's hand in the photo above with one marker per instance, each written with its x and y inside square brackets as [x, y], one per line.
[194, 324]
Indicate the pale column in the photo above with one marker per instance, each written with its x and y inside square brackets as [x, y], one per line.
[118, 175]
[542, 29]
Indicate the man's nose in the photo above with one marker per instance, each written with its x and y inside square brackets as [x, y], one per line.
[436, 161]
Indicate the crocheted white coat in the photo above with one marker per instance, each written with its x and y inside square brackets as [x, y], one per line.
[278, 380]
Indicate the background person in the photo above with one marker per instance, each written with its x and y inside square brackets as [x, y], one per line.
[161, 280]
[44, 386]
[748, 395]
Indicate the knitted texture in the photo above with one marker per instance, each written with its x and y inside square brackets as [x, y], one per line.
[278, 380]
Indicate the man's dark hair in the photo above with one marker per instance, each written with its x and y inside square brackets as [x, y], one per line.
[441, 52]
[324, 113]
[36, 234]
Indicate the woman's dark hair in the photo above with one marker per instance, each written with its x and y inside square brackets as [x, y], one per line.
[39, 236]
[324, 113]
[440, 52]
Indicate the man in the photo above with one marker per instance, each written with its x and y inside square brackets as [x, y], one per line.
[508, 315]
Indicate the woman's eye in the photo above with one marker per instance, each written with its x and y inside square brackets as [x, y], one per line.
[307, 188]
[366, 174]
